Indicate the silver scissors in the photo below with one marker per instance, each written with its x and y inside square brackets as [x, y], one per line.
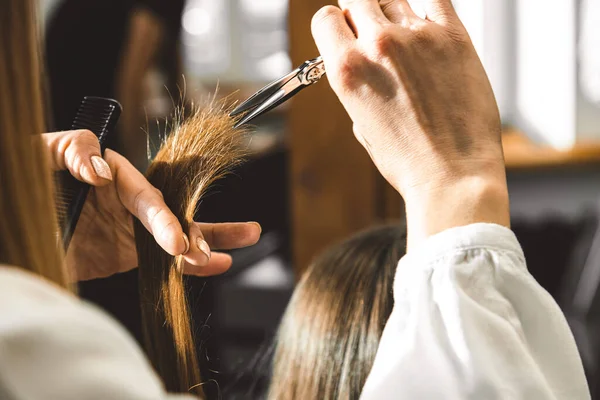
[280, 91]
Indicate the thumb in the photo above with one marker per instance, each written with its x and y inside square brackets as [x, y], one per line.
[79, 152]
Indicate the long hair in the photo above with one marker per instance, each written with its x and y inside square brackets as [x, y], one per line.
[198, 151]
[329, 334]
[28, 224]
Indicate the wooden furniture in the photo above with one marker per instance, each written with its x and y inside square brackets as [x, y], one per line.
[335, 189]
[522, 153]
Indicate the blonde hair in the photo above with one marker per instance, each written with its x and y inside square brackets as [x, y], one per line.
[28, 224]
[199, 151]
[329, 334]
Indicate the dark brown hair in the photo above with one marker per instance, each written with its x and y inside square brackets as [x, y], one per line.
[28, 225]
[328, 337]
[197, 152]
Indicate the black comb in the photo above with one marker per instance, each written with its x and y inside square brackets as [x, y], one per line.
[99, 115]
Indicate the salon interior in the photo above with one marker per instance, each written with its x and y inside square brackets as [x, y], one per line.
[309, 183]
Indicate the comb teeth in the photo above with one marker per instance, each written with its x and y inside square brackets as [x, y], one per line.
[99, 115]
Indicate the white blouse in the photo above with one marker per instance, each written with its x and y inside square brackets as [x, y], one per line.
[469, 322]
[54, 346]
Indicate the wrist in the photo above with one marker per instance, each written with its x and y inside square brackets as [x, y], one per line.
[447, 205]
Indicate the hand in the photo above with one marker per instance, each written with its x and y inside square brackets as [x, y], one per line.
[422, 107]
[103, 243]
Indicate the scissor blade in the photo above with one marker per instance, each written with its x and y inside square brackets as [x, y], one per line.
[262, 108]
[263, 94]
[281, 96]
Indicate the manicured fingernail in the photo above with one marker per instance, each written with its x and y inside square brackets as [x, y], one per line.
[187, 243]
[203, 246]
[101, 168]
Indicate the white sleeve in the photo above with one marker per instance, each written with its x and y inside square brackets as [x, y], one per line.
[53, 346]
[470, 322]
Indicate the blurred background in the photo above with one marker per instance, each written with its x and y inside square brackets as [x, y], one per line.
[307, 181]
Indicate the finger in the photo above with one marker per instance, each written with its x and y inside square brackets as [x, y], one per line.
[365, 16]
[78, 152]
[199, 253]
[398, 11]
[219, 263]
[439, 10]
[146, 203]
[230, 235]
[331, 32]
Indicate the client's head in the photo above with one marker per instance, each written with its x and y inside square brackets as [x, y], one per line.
[330, 331]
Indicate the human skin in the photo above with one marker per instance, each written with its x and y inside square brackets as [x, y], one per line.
[422, 107]
[104, 243]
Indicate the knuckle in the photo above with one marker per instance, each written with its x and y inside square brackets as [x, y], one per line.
[137, 202]
[76, 164]
[385, 42]
[86, 133]
[159, 225]
[388, 8]
[87, 137]
[82, 135]
[149, 195]
[81, 148]
[62, 147]
[83, 142]
[349, 64]
[77, 154]
[324, 15]
[156, 192]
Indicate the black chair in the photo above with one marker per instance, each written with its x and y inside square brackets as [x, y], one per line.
[580, 296]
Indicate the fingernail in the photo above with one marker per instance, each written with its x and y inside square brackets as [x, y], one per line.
[257, 224]
[187, 243]
[101, 168]
[203, 246]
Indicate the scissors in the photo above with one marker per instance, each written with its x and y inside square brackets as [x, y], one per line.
[280, 91]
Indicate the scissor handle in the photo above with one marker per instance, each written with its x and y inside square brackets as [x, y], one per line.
[280, 90]
[311, 71]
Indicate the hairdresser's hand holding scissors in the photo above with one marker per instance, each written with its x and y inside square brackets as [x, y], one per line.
[422, 107]
[103, 243]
